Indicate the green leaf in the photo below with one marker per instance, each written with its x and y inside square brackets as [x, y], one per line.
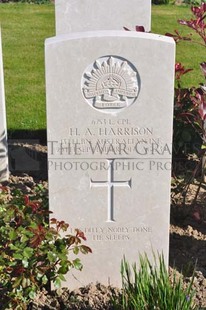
[75, 250]
[39, 276]
[44, 279]
[24, 282]
[25, 263]
[24, 238]
[52, 257]
[61, 277]
[64, 268]
[57, 283]
[17, 282]
[17, 256]
[39, 187]
[85, 249]
[28, 252]
[28, 281]
[12, 235]
[32, 294]
[77, 264]
[13, 247]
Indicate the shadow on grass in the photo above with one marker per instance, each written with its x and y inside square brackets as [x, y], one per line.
[28, 153]
[39, 135]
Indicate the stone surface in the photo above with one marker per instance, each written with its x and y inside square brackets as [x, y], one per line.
[91, 15]
[109, 118]
[3, 130]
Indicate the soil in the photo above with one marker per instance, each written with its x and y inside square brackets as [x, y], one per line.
[187, 242]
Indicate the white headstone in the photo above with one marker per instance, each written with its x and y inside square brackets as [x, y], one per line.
[3, 130]
[89, 15]
[110, 112]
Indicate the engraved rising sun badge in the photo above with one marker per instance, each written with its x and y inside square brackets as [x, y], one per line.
[110, 84]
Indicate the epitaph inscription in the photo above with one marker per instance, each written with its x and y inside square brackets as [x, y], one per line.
[110, 84]
[109, 234]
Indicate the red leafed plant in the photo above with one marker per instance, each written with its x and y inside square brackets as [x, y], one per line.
[197, 95]
[197, 24]
[190, 104]
[33, 251]
[180, 70]
[189, 107]
[137, 28]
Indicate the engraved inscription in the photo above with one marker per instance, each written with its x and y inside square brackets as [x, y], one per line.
[123, 233]
[110, 185]
[110, 84]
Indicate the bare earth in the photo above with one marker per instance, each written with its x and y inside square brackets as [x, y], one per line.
[187, 243]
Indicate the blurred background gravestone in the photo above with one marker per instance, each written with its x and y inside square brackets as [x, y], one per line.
[4, 173]
[89, 15]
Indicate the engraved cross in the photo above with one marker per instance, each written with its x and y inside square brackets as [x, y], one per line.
[110, 184]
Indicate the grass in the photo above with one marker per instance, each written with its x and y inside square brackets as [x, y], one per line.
[24, 29]
[148, 286]
[164, 19]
